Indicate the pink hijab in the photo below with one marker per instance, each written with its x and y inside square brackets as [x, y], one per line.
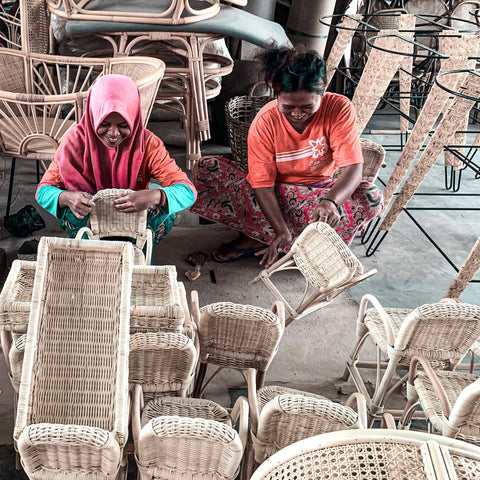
[84, 162]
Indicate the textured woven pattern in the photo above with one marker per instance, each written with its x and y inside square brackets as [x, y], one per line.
[269, 392]
[75, 366]
[16, 296]
[156, 302]
[323, 258]
[16, 354]
[162, 362]
[238, 336]
[292, 417]
[466, 273]
[453, 384]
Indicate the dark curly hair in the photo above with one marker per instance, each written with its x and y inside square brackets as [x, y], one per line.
[291, 69]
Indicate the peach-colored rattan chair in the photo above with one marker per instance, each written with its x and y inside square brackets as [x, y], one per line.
[43, 96]
[72, 417]
[281, 416]
[236, 336]
[327, 265]
[450, 400]
[442, 332]
[179, 438]
[105, 221]
[373, 454]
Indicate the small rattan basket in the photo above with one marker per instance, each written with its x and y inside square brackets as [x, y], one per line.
[239, 114]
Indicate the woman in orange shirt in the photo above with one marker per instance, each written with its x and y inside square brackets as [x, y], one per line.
[295, 145]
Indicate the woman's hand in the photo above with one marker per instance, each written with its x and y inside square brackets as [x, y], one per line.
[327, 212]
[139, 201]
[80, 203]
[270, 254]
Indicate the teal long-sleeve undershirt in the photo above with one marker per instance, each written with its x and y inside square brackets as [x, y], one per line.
[179, 197]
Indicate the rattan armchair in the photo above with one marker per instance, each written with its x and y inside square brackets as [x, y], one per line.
[450, 400]
[327, 265]
[105, 221]
[442, 332]
[72, 417]
[181, 438]
[281, 416]
[43, 96]
[236, 336]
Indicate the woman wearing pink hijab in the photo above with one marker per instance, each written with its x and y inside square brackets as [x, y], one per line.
[110, 148]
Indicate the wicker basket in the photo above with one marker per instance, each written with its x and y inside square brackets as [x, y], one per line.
[239, 114]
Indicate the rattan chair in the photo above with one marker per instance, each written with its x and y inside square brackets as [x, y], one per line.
[325, 262]
[180, 438]
[281, 416]
[72, 417]
[236, 336]
[43, 96]
[442, 332]
[450, 401]
[105, 221]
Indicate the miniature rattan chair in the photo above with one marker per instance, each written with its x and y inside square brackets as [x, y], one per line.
[442, 332]
[42, 96]
[106, 221]
[450, 400]
[236, 336]
[281, 416]
[327, 265]
[72, 417]
[181, 438]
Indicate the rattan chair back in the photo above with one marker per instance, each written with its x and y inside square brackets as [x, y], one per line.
[73, 403]
[105, 221]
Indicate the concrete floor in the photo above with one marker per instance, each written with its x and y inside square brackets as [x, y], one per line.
[313, 350]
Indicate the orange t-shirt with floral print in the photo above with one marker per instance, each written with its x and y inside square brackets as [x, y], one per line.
[278, 153]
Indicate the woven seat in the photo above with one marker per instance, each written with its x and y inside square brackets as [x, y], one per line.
[43, 96]
[442, 332]
[236, 336]
[373, 454]
[72, 417]
[327, 265]
[281, 416]
[450, 401]
[105, 221]
[182, 438]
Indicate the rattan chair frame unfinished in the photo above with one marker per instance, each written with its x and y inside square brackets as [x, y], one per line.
[327, 265]
[442, 332]
[72, 416]
[183, 438]
[105, 221]
[236, 336]
[450, 401]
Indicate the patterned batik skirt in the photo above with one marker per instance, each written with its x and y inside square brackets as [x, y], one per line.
[226, 197]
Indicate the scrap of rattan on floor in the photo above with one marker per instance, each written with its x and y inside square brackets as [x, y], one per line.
[72, 416]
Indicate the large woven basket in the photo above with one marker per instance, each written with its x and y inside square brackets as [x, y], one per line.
[239, 114]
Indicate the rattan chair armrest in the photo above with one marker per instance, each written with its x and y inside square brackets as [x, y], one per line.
[381, 311]
[466, 400]
[137, 407]
[358, 400]
[240, 412]
[388, 421]
[252, 399]
[149, 251]
[84, 231]
[195, 307]
[360, 278]
[278, 308]
[282, 262]
[430, 373]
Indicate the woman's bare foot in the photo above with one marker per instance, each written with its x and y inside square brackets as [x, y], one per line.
[241, 247]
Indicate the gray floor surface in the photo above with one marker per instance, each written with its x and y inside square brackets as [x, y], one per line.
[312, 354]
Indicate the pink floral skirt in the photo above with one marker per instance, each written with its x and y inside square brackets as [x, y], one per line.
[225, 196]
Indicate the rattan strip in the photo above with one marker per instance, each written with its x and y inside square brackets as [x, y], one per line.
[185, 407]
[453, 384]
[323, 258]
[15, 355]
[161, 362]
[366, 461]
[16, 296]
[238, 336]
[466, 272]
